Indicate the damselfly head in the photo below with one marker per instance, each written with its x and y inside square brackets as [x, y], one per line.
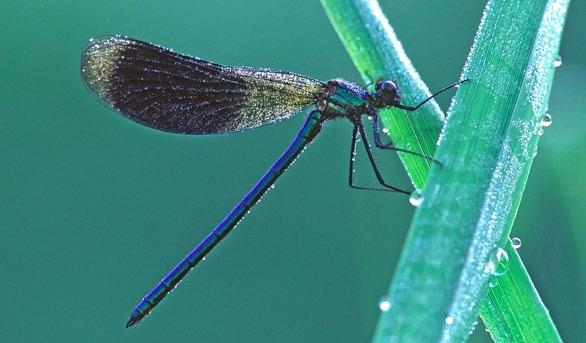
[386, 93]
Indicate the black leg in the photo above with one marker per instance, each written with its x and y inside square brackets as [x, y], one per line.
[389, 146]
[377, 173]
[413, 108]
[352, 158]
[351, 168]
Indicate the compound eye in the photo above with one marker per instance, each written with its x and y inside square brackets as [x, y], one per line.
[388, 86]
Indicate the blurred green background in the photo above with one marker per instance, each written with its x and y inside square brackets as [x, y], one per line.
[96, 209]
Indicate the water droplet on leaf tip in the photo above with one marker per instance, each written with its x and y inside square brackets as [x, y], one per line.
[546, 121]
[384, 304]
[416, 198]
[516, 243]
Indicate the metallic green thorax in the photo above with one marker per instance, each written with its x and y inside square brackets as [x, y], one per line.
[344, 99]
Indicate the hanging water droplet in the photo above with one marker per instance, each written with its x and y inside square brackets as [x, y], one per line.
[516, 243]
[449, 320]
[385, 130]
[557, 62]
[416, 198]
[546, 121]
[384, 304]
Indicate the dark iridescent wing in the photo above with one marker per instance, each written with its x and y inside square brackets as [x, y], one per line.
[168, 91]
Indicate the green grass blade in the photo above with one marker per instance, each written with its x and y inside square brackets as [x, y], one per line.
[513, 311]
[418, 314]
[487, 151]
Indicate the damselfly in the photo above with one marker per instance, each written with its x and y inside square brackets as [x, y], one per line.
[168, 91]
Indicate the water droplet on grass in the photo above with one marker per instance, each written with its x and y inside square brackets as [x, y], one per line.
[449, 320]
[502, 262]
[498, 264]
[558, 61]
[416, 198]
[516, 243]
[546, 121]
[384, 304]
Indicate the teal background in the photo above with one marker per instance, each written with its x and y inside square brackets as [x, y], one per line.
[94, 209]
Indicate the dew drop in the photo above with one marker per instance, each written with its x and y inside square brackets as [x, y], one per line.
[449, 320]
[385, 130]
[384, 304]
[516, 243]
[546, 121]
[501, 262]
[273, 186]
[416, 198]
[492, 282]
[557, 62]
[204, 258]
